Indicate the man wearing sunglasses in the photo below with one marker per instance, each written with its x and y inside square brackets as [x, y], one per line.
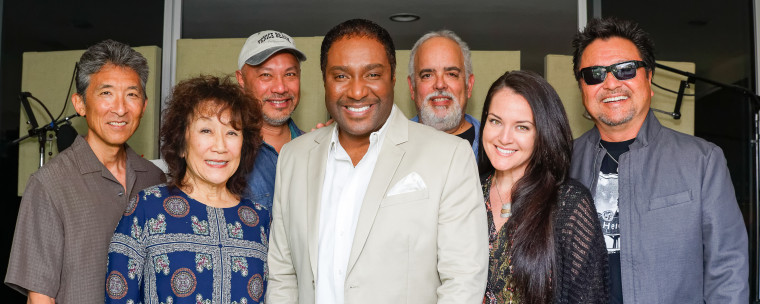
[673, 229]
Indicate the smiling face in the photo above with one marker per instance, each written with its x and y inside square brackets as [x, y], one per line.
[358, 86]
[213, 147]
[616, 105]
[440, 87]
[276, 83]
[113, 106]
[509, 134]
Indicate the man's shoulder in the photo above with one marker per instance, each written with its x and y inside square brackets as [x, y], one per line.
[142, 164]
[66, 162]
[669, 135]
[301, 144]
[429, 135]
[685, 143]
[581, 144]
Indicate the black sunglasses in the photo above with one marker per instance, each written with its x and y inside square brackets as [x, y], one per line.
[623, 71]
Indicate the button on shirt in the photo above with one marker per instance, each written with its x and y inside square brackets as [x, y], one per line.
[342, 195]
[261, 179]
[66, 220]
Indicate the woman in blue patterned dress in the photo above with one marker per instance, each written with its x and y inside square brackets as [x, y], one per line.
[196, 239]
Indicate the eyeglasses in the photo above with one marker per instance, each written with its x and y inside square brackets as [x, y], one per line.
[623, 71]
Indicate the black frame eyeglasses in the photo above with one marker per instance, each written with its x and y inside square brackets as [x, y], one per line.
[622, 71]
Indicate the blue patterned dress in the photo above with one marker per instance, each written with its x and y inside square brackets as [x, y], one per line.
[170, 248]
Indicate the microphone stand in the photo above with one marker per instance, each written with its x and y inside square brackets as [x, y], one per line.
[39, 131]
[754, 207]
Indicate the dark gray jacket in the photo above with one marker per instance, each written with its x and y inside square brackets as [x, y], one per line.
[683, 239]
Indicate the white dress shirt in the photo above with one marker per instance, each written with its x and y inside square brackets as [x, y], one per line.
[342, 195]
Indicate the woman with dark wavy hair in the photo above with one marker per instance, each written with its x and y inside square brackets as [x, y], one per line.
[196, 239]
[546, 245]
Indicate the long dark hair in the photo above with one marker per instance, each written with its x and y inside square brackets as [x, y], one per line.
[534, 196]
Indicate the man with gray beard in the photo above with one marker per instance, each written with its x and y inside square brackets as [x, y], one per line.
[440, 81]
[270, 71]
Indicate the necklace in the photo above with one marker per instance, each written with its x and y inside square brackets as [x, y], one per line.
[506, 208]
[610, 155]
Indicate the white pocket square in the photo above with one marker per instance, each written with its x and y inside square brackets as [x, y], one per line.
[410, 183]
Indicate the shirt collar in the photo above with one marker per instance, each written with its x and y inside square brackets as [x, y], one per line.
[375, 138]
[89, 162]
[649, 131]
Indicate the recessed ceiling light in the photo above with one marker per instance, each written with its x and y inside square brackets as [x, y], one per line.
[405, 17]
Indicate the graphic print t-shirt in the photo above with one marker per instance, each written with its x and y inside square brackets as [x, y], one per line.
[606, 201]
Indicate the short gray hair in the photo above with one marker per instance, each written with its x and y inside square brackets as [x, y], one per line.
[113, 52]
[444, 34]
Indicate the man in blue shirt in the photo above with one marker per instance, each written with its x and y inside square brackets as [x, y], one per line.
[440, 81]
[270, 71]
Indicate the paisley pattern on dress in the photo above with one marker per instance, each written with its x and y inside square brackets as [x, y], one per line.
[176, 206]
[132, 205]
[208, 255]
[203, 261]
[157, 225]
[136, 230]
[183, 282]
[239, 264]
[248, 216]
[256, 287]
[116, 285]
[235, 230]
[199, 226]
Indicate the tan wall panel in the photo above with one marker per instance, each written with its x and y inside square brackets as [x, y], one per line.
[558, 70]
[487, 66]
[219, 57]
[559, 73]
[47, 76]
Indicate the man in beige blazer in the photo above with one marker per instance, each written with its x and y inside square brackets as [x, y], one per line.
[374, 208]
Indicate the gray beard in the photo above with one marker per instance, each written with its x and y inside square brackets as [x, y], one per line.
[276, 121]
[607, 121]
[451, 120]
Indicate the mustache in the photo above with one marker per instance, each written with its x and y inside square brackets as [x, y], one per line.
[343, 102]
[435, 94]
[619, 91]
[278, 96]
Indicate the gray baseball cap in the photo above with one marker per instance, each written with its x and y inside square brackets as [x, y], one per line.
[262, 45]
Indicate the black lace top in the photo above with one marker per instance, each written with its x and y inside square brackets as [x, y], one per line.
[582, 272]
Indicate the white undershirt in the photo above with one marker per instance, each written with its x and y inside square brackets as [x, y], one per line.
[342, 195]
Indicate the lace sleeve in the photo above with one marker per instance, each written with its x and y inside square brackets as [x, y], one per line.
[581, 262]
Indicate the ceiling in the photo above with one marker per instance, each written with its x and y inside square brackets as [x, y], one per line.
[535, 27]
[715, 34]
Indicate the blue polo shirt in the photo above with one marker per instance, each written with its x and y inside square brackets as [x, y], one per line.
[261, 179]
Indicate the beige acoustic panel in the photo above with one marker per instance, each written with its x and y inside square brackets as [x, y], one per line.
[559, 73]
[218, 57]
[487, 66]
[558, 70]
[47, 76]
[666, 101]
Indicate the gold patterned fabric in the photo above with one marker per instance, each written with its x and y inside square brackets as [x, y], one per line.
[581, 271]
[500, 288]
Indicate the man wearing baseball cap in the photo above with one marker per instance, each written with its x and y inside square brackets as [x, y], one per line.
[269, 69]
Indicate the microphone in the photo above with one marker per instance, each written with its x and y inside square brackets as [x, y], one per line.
[65, 135]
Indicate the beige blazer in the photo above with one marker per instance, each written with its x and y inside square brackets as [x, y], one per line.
[425, 246]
